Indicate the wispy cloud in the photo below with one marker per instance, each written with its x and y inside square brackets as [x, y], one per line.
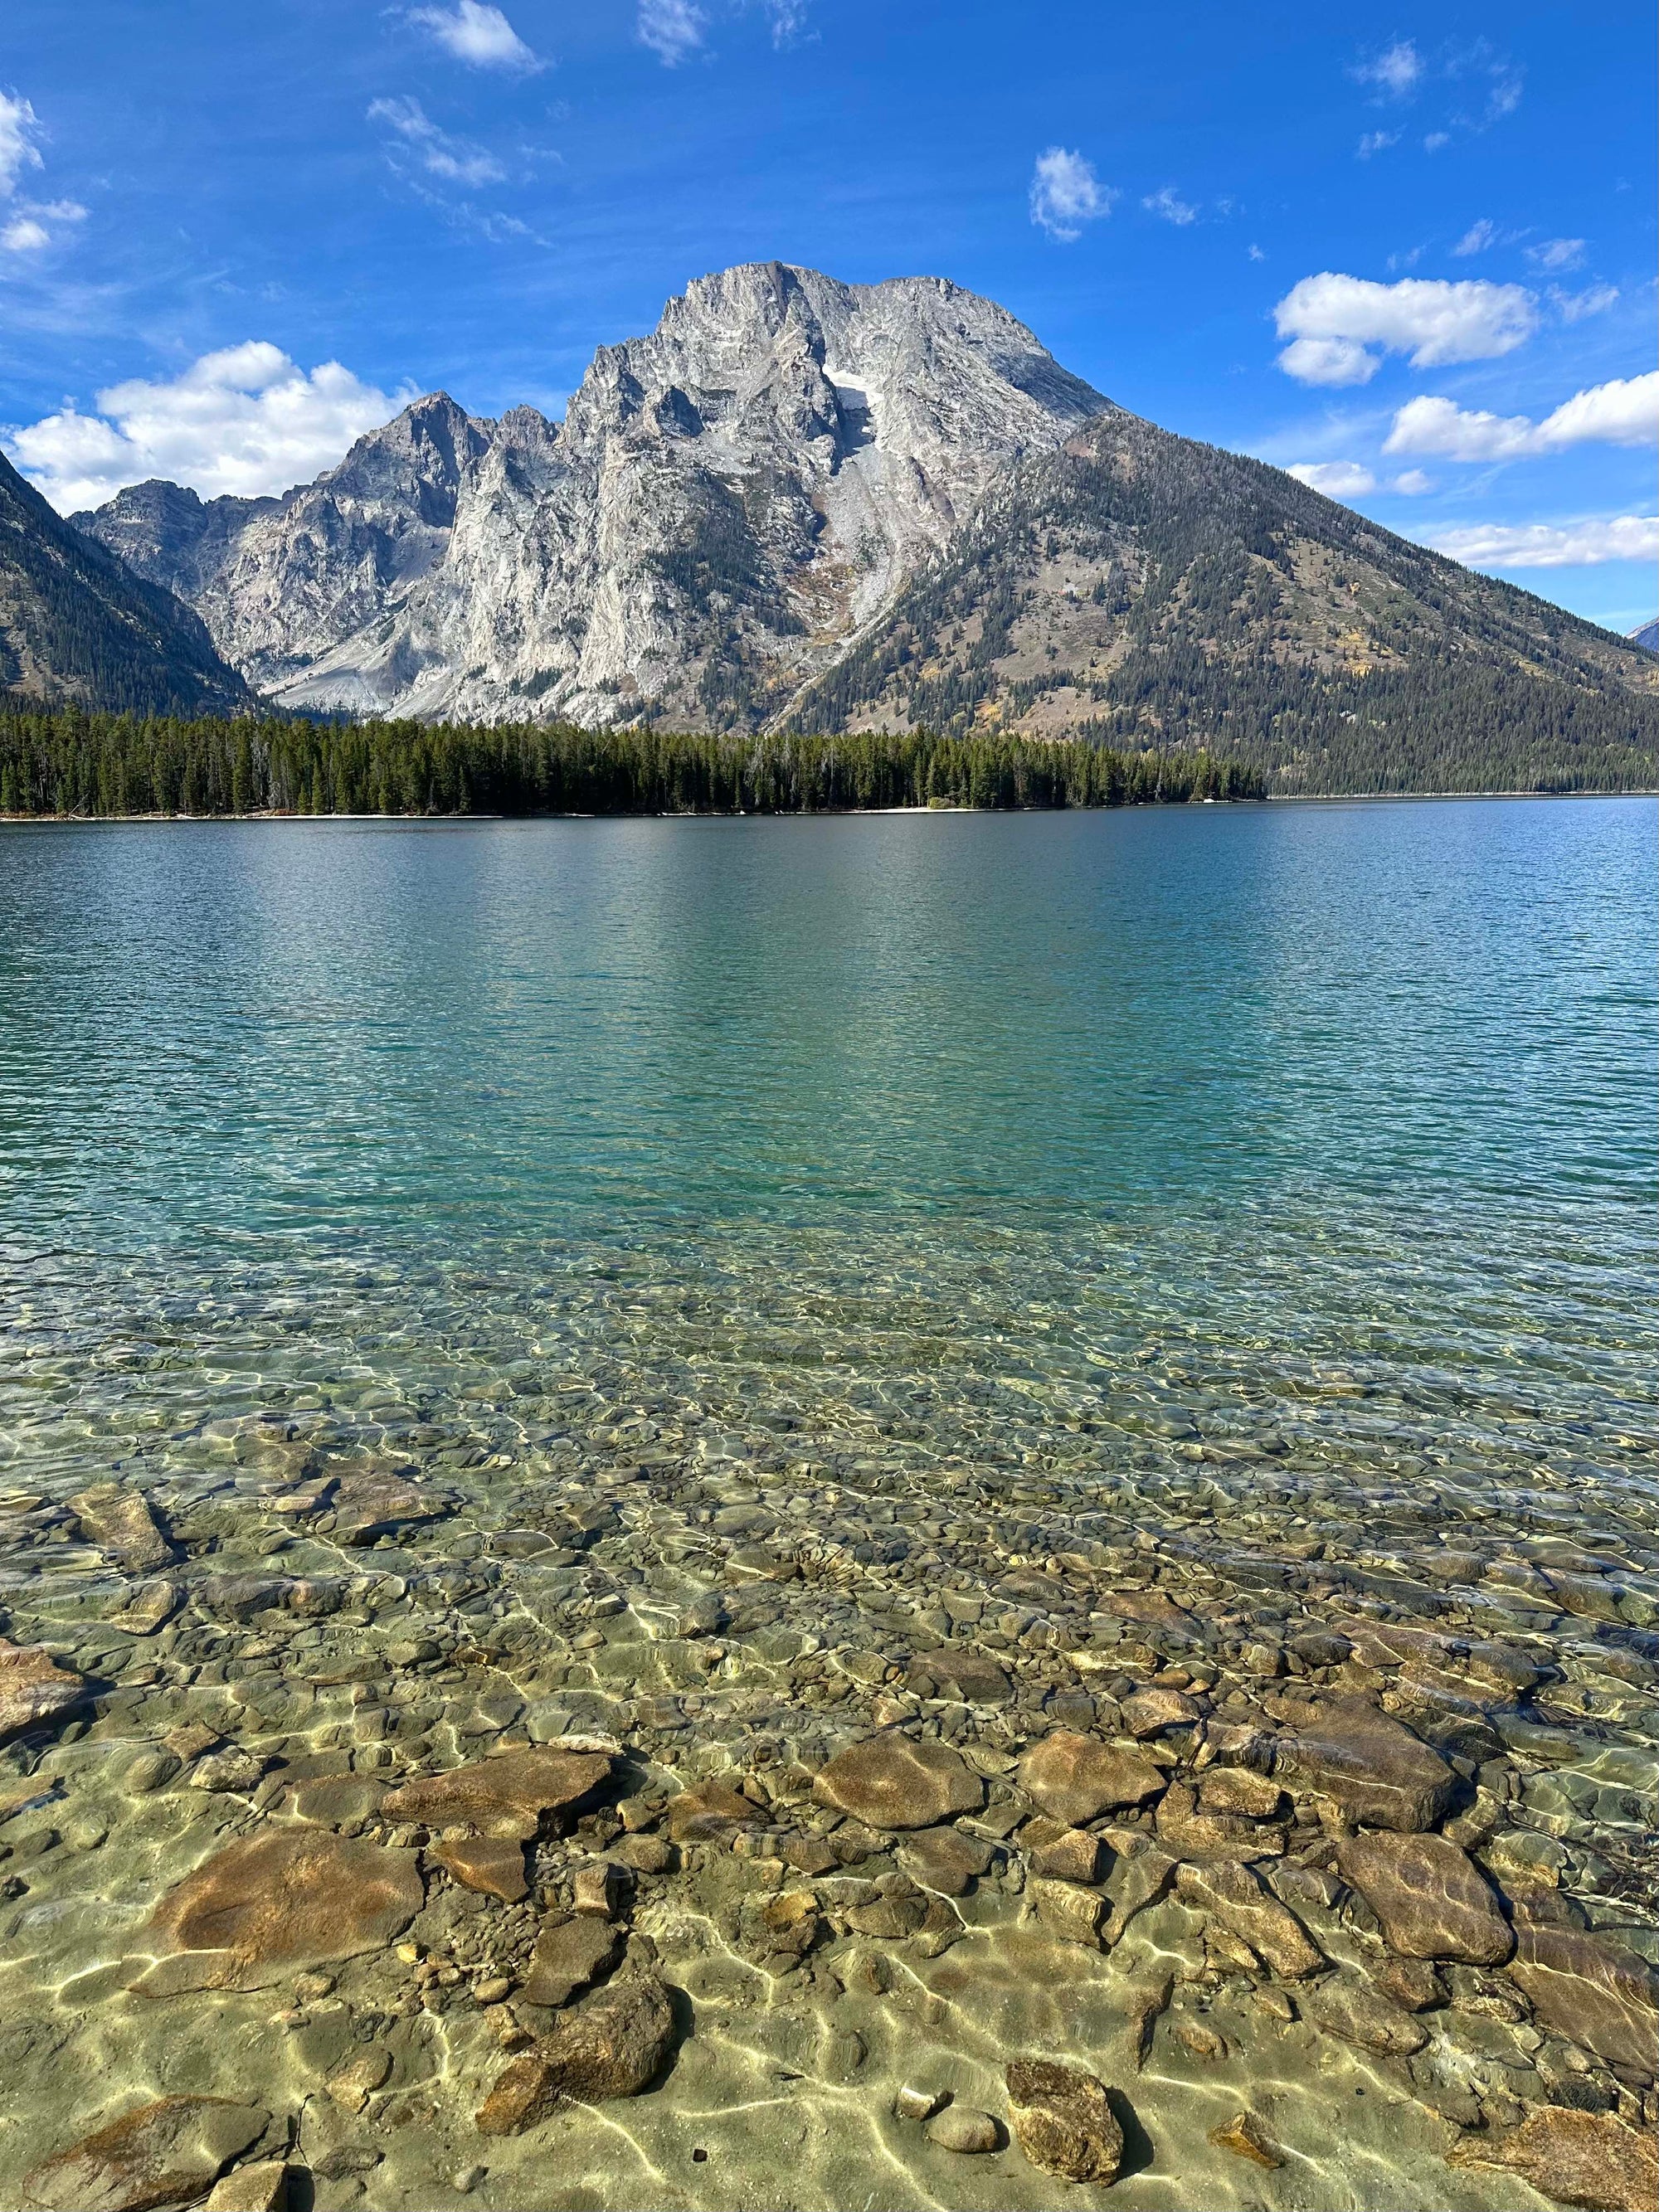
[1373, 142]
[1066, 193]
[478, 35]
[1476, 239]
[28, 227]
[20, 133]
[246, 419]
[1594, 299]
[1557, 254]
[672, 28]
[1623, 412]
[418, 139]
[1583, 544]
[1340, 327]
[1168, 204]
[1394, 72]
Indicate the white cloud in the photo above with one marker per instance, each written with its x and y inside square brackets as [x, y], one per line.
[1436, 140]
[1594, 299]
[1413, 484]
[1557, 254]
[1376, 142]
[456, 160]
[1336, 479]
[1169, 204]
[1334, 321]
[1396, 71]
[672, 28]
[20, 126]
[246, 419]
[1254, 254]
[477, 34]
[1476, 239]
[1552, 545]
[1624, 412]
[28, 232]
[1066, 193]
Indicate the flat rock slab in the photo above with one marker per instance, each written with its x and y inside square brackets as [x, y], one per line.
[1349, 2007]
[117, 1517]
[1076, 1778]
[1232, 1891]
[492, 1866]
[1431, 1898]
[259, 2187]
[1592, 1992]
[271, 1902]
[943, 1859]
[507, 1797]
[1379, 1773]
[1063, 2121]
[165, 2153]
[613, 2045]
[1577, 2158]
[33, 1688]
[567, 1956]
[707, 1813]
[897, 1781]
[370, 1505]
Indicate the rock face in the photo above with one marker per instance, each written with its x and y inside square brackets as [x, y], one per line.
[1431, 1899]
[276, 1901]
[33, 1688]
[893, 1781]
[1077, 1777]
[165, 2153]
[1063, 2121]
[724, 503]
[1577, 2158]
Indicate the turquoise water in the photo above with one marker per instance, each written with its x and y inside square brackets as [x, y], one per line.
[1267, 1194]
[1355, 1083]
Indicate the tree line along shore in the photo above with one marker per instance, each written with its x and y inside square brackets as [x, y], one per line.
[73, 763]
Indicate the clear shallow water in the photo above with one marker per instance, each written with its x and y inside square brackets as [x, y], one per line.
[1272, 1178]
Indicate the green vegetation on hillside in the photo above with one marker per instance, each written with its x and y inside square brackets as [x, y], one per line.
[75, 763]
[1149, 592]
[76, 624]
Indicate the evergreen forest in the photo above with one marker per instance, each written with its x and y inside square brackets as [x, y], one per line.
[76, 763]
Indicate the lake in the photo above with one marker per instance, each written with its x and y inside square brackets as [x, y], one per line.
[954, 1275]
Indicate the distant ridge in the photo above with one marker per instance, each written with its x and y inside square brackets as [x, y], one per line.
[77, 628]
[1646, 635]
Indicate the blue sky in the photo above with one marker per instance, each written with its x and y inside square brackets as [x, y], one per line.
[1412, 253]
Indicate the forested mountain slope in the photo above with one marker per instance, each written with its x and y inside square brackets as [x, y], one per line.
[1156, 591]
[78, 627]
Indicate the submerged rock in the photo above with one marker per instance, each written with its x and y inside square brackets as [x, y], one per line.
[1234, 1894]
[493, 1866]
[1076, 1778]
[1592, 1992]
[33, 1688]
[1063, 2121]
[707, 1813]
[614, 2043]
[1349, 2007]
[567, 1956]
[1379, 1773]
[117, 1517]
[897, 1781]
[1429, 1896]
[959, 2127]
[283, 1898]
[507, 1797]
[1587, 2159]
[169, 2152]
[1243, 2137]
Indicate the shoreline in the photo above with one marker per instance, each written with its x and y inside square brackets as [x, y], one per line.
[830, 813]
